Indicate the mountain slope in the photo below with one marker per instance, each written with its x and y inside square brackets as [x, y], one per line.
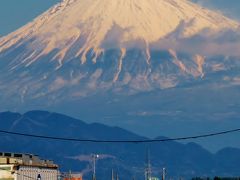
[88, 24]
[181, 160]
[185, 160]
[125, 46]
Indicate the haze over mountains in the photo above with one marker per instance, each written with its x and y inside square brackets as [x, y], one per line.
[159, 64]
[128, 160]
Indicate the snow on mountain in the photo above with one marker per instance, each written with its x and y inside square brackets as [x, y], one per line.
[79, 47]
[88, 23]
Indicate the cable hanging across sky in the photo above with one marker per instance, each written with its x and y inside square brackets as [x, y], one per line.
[120, 141]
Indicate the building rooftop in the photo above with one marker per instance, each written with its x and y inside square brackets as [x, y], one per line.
[25, 159]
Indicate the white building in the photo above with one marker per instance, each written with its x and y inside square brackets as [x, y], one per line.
[26, 167]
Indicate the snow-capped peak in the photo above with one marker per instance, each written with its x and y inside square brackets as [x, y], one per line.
[83, 25]
[83, 47]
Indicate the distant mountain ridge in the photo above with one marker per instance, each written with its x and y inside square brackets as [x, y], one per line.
[181, 160]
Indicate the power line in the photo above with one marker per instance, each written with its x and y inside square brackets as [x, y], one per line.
[121, 141]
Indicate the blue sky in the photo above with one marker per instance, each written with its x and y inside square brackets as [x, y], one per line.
[229, 7]
[16, 13]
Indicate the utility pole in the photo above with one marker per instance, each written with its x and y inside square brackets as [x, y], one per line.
[117, 178]
[148, 170]
[70, 175]
[112, 174]
[94, 157]
[163, 173]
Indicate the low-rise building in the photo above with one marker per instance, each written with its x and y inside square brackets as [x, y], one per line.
[73, 176]
[15, 166]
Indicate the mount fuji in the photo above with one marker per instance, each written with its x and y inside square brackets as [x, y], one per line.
[132, 63]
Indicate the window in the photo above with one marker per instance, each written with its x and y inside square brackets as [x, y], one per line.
[7, 168]
[18, 155]
[8, 154]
